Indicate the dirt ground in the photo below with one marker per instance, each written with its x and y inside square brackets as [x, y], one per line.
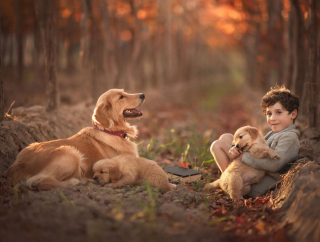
[93, 212]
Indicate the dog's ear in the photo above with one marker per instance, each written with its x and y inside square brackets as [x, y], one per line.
[253, 132]
[100, 115]
[115, 174]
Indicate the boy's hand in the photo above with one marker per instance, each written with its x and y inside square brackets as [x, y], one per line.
[234, 152]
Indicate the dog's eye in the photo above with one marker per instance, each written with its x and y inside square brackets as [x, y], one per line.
[121, 97]
[240, 136]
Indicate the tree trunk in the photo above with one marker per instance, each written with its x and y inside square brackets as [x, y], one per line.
[252, 42]
[135, 47]
[45, 14]
[84, 44]
[288, 60]
[169, 55]
[313, 79]
[19, 36]
[1, 81]
[299, 50]
[109, 54]
[95, 90]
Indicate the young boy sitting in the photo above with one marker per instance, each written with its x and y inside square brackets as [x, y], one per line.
[281, 109]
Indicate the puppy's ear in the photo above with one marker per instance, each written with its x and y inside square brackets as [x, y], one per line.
[253, 132]
[115, 174]
[100, 115]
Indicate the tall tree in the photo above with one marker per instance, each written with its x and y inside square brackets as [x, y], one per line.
[298, 49]
[45, 13]
[19, 38]
[1, 81]
[313, 101]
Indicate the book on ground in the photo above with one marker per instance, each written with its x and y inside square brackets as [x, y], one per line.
[182, 174]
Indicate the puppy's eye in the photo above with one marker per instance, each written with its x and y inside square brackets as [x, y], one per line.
[240, 136]
[121, 97]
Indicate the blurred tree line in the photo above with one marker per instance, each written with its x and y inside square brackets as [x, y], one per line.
[138, 43]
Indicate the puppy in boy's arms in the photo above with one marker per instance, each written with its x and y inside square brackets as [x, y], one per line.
[238, 177]
[128, 170]
[280, 107]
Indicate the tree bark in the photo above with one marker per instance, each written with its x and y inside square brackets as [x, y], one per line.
[1, 81]
[313, 79]
[135, 47]
[45, 13]
[299, 50]
[95, 90]
[288, 60]
[19, 36]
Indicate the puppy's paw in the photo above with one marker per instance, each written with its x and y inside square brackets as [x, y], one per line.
[173, 186]
[207, 187]
[73, 182]
[276, 157]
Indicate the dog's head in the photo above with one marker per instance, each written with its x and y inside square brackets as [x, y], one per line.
[244, 137]
[114, 107]
[106, 170]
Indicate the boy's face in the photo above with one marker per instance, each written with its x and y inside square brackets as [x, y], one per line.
[278, 118]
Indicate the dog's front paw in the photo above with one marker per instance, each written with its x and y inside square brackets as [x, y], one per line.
[113, 185]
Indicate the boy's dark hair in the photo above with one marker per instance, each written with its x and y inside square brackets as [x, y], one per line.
[281, 94]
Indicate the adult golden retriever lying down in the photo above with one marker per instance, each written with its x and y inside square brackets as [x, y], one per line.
[238, 177]
[63, 162]
[128, 170]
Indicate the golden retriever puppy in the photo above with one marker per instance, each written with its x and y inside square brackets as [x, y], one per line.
[129, 170]
[63, 162]
[238, 177]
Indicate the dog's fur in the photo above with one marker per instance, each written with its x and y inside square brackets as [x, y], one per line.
[63, 162]
[238, 177]
[128, 170]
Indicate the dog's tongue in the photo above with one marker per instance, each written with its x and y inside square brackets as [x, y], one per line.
[135, 111]
[132, 112]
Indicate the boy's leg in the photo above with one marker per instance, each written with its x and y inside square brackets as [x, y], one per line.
[219, 150]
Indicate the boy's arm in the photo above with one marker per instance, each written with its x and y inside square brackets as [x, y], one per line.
[288, 149]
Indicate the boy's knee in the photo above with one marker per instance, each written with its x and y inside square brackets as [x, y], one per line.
[215, 145]
[227, 137]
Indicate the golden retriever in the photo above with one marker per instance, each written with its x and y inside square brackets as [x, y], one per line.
[238, 177]
[128, 170]
[63, 162]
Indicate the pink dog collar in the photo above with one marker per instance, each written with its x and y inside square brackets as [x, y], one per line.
[115, 133]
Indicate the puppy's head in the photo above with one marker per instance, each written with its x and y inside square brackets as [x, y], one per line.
[244, 137]
[106, 170]
[114, 107]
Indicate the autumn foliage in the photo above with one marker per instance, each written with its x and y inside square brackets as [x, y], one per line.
[140, 43]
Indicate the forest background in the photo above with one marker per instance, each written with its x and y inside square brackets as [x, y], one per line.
[139, 44]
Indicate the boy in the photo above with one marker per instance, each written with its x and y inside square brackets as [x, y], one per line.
[281, 109]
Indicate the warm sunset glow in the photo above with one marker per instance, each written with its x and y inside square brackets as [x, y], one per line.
[126, 35]
[142, 14]
[65, 13]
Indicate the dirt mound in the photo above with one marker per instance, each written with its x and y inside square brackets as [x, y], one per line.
[34, 124]
[299, 194]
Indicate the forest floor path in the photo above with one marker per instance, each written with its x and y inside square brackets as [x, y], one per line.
[175, 128]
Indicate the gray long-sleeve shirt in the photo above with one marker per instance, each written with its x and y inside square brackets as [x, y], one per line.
[285, 144]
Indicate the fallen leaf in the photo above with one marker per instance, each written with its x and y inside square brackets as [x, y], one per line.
[260, 226]
[240, 220]
[184, 164]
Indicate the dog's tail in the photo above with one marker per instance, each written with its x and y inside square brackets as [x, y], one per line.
[16, 172]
